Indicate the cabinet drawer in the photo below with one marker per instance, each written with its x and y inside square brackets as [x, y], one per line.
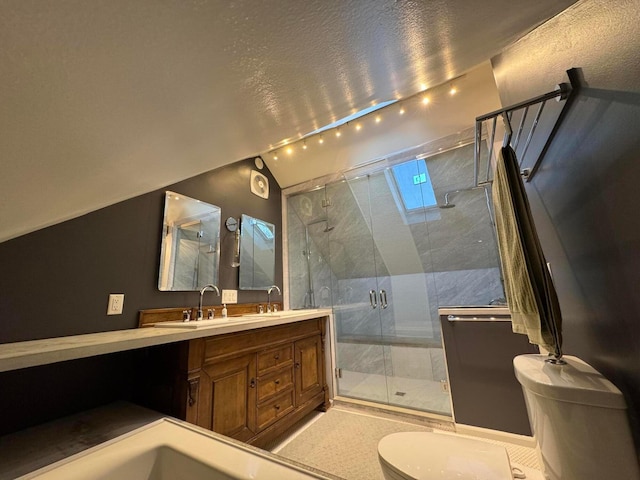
[232, 344]
[274, 383]
[275, 358]
[274, 409]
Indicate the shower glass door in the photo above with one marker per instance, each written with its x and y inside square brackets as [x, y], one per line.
[360, 349]
[381, 251]
[386, 340]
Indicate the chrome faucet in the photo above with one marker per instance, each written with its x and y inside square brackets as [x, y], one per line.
[204, 289]
[269, 290]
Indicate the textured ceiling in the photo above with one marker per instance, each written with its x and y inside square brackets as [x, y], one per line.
[104, 100]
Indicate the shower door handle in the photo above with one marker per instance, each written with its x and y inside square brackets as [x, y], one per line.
[383, 299]
[373, 299]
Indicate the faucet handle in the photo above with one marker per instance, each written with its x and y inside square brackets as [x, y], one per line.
[268, 308]
[275, 307]
[260, 309]
[186, 315]
[210, 313]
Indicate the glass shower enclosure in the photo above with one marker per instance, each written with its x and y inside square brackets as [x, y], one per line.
[384, 249]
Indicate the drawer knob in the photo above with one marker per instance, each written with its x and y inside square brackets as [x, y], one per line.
[277, 356]
[252, 384]
[277, 382]
[277, 407]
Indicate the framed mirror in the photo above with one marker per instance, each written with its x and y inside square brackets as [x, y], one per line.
[257, 254]
[190, 254]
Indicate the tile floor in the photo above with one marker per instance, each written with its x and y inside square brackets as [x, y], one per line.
[343, 442]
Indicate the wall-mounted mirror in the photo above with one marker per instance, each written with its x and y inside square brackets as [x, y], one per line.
[257, 254]
[190, 256]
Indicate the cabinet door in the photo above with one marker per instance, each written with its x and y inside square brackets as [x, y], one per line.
[227, 397]
[309, 368]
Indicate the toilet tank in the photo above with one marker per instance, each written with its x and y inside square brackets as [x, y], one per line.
[579, 420]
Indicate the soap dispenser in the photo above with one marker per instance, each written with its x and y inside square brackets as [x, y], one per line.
[224, 310]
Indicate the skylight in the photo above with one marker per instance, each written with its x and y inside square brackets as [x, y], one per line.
[414, 185]
[264, 230]
[352, 117]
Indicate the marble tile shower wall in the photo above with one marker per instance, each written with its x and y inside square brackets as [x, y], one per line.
[355, 318]
[456, 263]
[305, 214]
[351, 244]
[392, 360]
[185, 274]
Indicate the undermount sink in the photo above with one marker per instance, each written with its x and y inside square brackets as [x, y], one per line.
[199, 323]
[193, 324]
[169, 449]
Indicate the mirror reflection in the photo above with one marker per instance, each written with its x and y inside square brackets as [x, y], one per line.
[257, 254]
[190, 254]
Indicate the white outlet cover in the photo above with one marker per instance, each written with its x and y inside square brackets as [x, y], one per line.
[116, 304]
[229, 296]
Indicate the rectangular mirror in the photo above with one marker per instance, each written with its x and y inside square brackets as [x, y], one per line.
[257, 254]
[190, 255]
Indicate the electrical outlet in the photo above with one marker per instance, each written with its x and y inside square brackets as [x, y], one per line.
[116, 303]
[229, 296]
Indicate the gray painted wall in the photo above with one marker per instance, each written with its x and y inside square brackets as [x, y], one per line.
[585, 196]
[56, 281]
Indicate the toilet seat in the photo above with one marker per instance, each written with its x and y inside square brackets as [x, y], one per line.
[435, 456]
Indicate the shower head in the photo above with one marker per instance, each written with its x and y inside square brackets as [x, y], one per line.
[453, 192]
[446, 200]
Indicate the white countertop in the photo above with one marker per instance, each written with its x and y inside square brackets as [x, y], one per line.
[14, 356]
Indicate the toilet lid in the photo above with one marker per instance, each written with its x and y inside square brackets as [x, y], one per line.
[435, 456]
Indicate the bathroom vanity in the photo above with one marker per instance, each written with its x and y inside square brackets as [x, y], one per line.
[249, 377]
[250, 385]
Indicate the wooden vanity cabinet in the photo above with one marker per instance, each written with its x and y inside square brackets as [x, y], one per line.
[255, 384]
[309, 368]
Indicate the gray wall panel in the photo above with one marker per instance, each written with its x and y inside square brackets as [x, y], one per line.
[585, 196]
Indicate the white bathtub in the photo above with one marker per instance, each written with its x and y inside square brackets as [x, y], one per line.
[169, 449]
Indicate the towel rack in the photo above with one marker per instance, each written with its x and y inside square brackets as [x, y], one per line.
[473, 318]
[520, 111]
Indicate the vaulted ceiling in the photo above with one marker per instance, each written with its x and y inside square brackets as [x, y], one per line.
[104, 100]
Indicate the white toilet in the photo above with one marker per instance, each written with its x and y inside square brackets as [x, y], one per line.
[577, 416]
